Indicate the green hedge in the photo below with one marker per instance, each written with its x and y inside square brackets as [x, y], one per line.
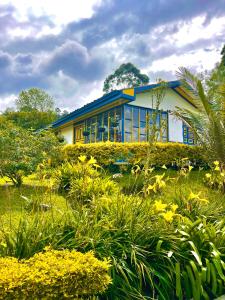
[53, 275]
[107, 153]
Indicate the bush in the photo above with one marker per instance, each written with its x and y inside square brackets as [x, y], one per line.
[85, 189]
[53, 275]
[108, 153]
[67, 171]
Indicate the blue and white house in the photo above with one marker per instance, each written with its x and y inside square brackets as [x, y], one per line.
[125, 116]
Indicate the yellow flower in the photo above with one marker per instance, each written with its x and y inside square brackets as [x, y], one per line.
[207, 175]
[168, 216]
[216, 163]
[194, 196]
[222, 174]
[92, 161]
[190, 168]
[159, 206]
[174, 207]
[217, 168]
[82, 158]
[164, 167]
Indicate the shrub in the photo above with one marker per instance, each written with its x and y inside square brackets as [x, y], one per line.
[216, 178]
[87, 188]
[108, 153]
[67, 171]
[53, 275]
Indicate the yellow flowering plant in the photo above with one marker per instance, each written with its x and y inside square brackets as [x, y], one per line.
[53, 274]
[216, 177]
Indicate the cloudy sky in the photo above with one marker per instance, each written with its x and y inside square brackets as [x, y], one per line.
[69, 47]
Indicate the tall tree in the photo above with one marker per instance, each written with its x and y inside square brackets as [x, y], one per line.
[31, 120]
[34, 99]
[21, 150]
[35, 110]
[127, 75]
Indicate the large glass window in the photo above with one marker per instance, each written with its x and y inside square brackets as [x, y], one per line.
[106, 126]
[128, 115]
[140, 123]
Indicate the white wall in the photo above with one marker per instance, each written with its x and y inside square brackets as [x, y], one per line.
[67, 132]
[170, 102]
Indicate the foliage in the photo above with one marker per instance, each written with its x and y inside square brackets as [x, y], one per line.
[65, 173]
[31, 119]
[21, 151]
[88, 188]
[53, 275]
[34, 99]
[127, 75]
[152, 242]
[216, 178]
[83, 181]
[208, 123]
[108, 153]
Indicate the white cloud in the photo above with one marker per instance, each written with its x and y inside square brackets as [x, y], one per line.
[7, 101]
[62, 12]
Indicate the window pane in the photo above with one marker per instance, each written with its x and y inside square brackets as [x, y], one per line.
[118, 129]
[105, 135]
[128, 126]
[135, 117]
[142, 115]
[128, 112]
[142, 127]
[127, 137]
[143, 138]
[135, 134]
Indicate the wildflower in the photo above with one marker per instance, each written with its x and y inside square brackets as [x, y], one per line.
[159, 206]
[92, 161]
[190, 168]
[216, 163]
[217, 168]
[222, 174]
[151, 188]
[164, 167]
[168, 216]
[174, 207]
[208, 175]
[194, 196]
[82, 158]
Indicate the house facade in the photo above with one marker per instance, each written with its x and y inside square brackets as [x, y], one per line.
[128, 114]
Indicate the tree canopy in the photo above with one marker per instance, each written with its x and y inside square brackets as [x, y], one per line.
[127, 75]
[21, 150]
[34, 99]
[223, 55]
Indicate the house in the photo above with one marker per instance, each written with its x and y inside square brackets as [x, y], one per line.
[126, 116]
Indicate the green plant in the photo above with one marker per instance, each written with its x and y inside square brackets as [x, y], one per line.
[108, 153]
[85, 189]
[21, 150]
[53, 275]
[64, 174]
[216, 178]
[208, 122]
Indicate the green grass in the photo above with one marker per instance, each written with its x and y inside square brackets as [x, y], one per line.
[14, 200]
[146, 251]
